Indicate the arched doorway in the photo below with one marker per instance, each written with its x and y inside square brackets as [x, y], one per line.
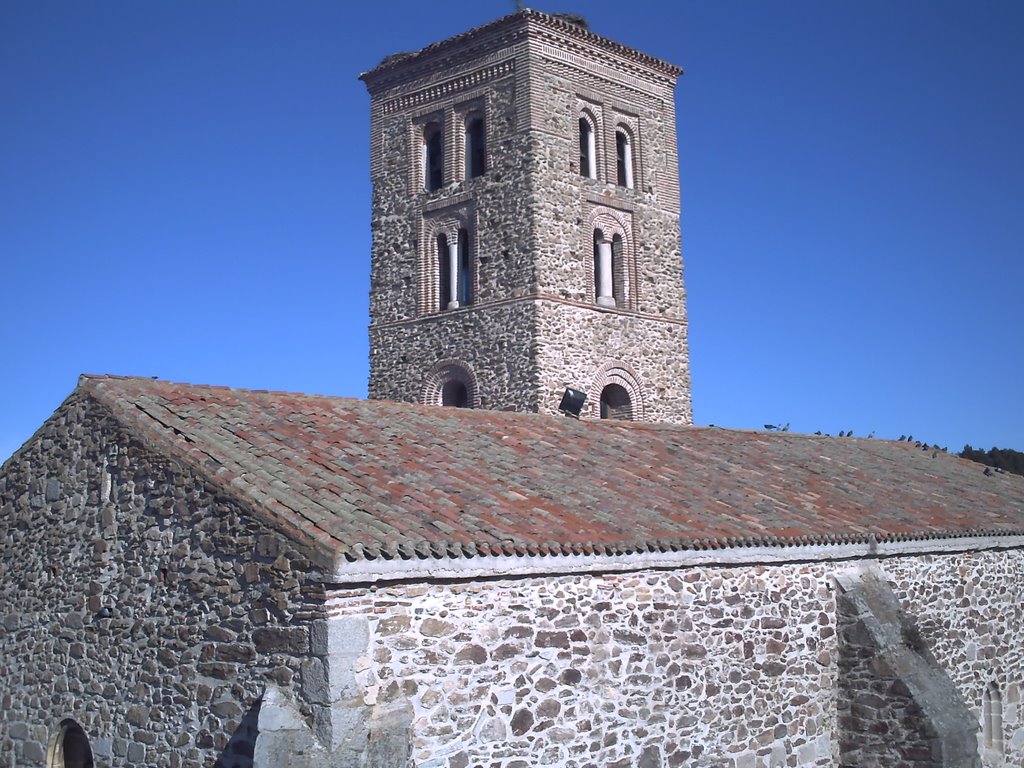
[70, 747]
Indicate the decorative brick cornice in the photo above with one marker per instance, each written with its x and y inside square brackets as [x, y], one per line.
[507, 31]
[429, 95]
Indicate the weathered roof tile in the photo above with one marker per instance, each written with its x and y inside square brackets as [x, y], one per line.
[364, 478]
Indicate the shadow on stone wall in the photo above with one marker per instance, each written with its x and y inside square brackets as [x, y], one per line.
[240, 748]
[897, 706]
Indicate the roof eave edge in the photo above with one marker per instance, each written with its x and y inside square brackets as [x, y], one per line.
[371, 571]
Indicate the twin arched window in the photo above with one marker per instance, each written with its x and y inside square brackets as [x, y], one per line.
[608, 269]
[455, 265]
[474, 149]
[624, 160]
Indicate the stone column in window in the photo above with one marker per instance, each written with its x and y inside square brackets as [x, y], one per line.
[591, 155]
[628, 163]
[605, 296]
[453, 272]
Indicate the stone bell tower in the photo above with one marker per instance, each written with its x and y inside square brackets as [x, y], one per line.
[526, 224]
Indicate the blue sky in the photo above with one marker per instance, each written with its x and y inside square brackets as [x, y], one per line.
[184, 193]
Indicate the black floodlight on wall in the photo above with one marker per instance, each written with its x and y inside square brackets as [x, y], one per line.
[572, 402]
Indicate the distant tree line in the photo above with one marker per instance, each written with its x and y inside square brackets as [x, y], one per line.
[1001, 458]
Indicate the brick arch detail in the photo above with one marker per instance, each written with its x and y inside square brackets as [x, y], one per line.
[444, 371]
[429, 259]
[617, 372]
[611, 223]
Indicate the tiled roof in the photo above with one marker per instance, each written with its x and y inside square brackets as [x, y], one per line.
[363, 479]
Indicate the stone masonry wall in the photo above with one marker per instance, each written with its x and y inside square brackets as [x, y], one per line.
[653, 340]
[705, 667]
[495, 342]
[532, 218]
[139, 602]
[898, 707]
[968, 611]
[655, 351]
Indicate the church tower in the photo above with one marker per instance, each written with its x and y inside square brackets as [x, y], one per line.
[526, 224]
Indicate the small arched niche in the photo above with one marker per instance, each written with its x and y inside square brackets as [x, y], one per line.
[616, 403]
[616, 393]
[451, 383]
[454, 394]
[70, 747]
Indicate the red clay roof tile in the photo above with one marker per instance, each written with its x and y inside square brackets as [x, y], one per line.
[364, 478]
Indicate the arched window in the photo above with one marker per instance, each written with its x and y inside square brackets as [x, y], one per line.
[615, 403]
[616, 393]
[604, 268]
[451, 383]
[992, 718]
[433, 157]
[476, 155]
[70, 748]
[613, 280]
[624, 159]
[588, 149]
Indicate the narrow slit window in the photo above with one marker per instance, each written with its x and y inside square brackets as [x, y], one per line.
[992, 718]
[465, 266]
[433, 157]
[624, 159]
[444, 268]
[476, 154]
[588, 150]
[618, 271]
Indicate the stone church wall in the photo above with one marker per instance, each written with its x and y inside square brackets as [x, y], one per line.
[659, 364]
[707, 667]
[138, 602]
[738, 667]
[968, 612]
